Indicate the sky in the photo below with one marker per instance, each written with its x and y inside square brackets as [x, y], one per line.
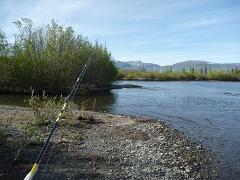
[155, 31]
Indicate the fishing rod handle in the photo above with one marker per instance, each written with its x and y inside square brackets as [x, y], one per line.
[32, 173]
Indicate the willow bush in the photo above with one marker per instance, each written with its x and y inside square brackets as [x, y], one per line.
[49, 58]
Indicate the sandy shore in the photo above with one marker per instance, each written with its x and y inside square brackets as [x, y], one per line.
[106, 146]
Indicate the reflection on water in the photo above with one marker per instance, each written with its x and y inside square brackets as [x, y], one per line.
[98, 101]
[207, 111]
[13, 100]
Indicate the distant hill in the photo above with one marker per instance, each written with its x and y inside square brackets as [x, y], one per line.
[137, 65]
[202, 64]
[196, 64]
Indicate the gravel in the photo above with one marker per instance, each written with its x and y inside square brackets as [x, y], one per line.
[109, 147]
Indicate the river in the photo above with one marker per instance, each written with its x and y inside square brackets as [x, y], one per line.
[205, 111]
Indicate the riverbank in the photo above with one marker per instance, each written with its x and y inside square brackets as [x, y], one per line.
[191, 75]
[176, 80]
[84, 90]
[94, 145]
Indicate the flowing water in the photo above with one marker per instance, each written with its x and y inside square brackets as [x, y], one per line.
[206, 111]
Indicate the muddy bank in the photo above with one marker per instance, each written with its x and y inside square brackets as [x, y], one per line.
[102, 146]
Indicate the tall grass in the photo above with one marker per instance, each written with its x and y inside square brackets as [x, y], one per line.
[232, 75]
[49, 58]
[46, 108]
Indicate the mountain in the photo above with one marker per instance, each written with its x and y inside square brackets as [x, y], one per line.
[197, 65]
[190, 64]
[137, 65]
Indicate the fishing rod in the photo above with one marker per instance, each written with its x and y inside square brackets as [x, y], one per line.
[71, 95]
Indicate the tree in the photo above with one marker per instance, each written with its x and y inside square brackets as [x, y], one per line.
[3, 44]
[183, 70]
[192, 70]
[171, 69]
[205, 70]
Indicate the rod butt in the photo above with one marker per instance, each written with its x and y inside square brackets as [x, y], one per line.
[32, 173]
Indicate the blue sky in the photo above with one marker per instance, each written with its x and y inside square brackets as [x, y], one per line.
[157, 31]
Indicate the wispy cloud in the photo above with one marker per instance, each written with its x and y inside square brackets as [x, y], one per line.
[203, 22]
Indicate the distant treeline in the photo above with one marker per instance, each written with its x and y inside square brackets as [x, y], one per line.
[184, 75]
[49, 58]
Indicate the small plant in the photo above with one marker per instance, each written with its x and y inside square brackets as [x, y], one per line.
[46, 108]
[32, 134]
[78, 136]
[3, 134]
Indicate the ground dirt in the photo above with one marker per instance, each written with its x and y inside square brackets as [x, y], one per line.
[101, 146]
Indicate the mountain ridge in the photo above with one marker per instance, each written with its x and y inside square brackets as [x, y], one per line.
[188, 64]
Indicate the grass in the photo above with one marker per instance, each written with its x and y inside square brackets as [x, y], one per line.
[233, 75]
[46, 109]
[33, 135]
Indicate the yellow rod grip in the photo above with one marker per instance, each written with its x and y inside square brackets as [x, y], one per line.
[32, 173]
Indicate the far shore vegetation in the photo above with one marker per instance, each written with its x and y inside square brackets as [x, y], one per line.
[184, 75]
[49, 58]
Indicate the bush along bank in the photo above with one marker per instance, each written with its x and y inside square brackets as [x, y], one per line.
[184, 75]
[49, 58]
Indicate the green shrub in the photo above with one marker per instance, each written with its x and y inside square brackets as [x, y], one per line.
[46, 109]
[233, 75]
[50, 58]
